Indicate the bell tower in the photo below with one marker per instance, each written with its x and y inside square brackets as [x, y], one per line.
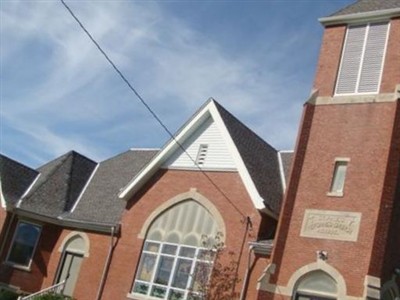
[339, 230]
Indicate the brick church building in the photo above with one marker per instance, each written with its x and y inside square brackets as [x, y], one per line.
[339, 230]
[218, 212]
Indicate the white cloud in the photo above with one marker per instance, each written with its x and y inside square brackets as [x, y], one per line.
[72, 99]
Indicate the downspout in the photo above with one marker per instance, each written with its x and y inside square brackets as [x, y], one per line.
[107, 264]
[247, 275]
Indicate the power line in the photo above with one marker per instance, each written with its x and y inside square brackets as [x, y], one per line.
[148, 107]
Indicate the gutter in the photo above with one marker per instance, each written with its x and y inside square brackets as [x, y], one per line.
[262, 248]
[107, 265]
[92, 226]
[384, 14]
[246, 276]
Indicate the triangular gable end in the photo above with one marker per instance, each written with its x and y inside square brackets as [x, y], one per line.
[205, 147]
[205, 122]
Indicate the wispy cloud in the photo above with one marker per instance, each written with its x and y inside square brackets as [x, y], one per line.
[58, 92]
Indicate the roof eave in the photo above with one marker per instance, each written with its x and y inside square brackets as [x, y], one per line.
[247, 180]
[92, 226]
[360, 17]
[267, 211]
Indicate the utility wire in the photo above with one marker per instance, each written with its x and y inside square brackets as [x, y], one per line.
[149, 108]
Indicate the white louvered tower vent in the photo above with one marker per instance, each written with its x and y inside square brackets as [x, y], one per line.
[362, 59]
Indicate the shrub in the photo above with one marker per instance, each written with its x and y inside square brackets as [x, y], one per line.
[8, 295]
[52, 296]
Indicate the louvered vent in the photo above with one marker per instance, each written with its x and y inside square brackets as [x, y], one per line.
[362, 59]
[201, 155]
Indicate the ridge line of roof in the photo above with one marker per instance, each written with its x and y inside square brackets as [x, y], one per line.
[218, 105]
[84, 189]
[62, 159]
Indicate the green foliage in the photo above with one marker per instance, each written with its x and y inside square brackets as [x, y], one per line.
[52, 296]
[8, 295]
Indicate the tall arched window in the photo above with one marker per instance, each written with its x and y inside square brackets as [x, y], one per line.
[174, 250]
[74, 249]
[316, 285]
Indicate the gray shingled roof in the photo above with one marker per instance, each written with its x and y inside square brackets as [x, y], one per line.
[73, 188]
[15, 178]
[287, 160]
[260, 159]
[60, 183]
[100, 202]
[363, 6]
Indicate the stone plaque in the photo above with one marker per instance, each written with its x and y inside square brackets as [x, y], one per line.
[331, 225]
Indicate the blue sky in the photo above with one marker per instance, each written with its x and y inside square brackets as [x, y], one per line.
[256, 58]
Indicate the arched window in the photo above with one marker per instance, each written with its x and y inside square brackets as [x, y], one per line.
[316, 285]
[74, 249]
[175, 250]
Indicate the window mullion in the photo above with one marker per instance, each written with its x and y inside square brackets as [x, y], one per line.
[171, 276]
[192, 270]
[155, 269]
[360, 67]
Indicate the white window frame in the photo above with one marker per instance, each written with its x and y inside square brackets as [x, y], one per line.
[362, 60]
[338, 162]
[195, 260]
[14, 264]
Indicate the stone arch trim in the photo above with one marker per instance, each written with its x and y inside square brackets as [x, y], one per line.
[192, 194]
[319, 266]
[70, 236]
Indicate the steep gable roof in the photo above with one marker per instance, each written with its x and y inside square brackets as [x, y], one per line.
[60, 183]
[256, 161]
[260, 159]
[15, 180]
[364, 10]
[100, 202]
[73, 190]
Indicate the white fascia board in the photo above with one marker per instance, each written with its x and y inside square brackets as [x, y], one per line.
[281, 171]
[140, 179]
[28, 190]
[2, 200]
[361, 17]
[255, 197]
[84, 188]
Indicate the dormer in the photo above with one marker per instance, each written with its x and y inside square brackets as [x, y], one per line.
[360, 58]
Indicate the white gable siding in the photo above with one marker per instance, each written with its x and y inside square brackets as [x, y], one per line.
[218, 155]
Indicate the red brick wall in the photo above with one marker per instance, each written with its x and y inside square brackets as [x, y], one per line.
[26, 280]
[330, 55]
[361, 132]
[47, 257]
[164, 186]
[3, 223]
[386, 250]
[91, 268]
[329, 60]
[391, 74]
[288, 204]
